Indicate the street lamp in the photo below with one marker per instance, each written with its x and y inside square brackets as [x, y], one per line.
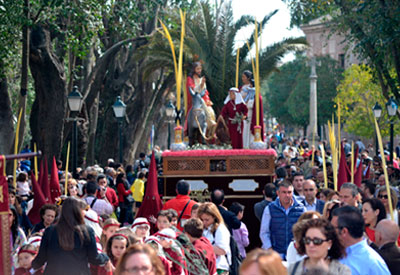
[75, 101]
[119, 109]
[391, 107]
[377, 109]
[170, 113]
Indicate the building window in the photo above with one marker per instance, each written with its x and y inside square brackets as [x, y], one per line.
[341, 60]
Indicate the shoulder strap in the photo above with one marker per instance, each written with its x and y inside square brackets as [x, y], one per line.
[183, 211]
[296, 265]
[93, 202]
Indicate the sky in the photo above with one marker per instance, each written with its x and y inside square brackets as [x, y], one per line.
[277, 28]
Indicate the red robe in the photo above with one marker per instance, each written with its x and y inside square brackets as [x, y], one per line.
[229, 112]
[205, 248]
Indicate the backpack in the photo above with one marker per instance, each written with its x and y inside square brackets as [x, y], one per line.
[236, 258]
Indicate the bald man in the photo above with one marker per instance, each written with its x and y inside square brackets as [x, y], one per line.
[386, 234]
[310, 193]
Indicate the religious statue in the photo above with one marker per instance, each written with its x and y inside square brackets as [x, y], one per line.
[234, 112]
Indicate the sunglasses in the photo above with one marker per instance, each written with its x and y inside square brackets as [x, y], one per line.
[383, 196]
[315, 241]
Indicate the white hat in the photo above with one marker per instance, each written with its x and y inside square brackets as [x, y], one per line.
[35, 241]
[167, 233]
[92, 220]
[238, 96]
[138, 222]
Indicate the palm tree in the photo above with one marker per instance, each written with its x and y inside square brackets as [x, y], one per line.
[210, 38]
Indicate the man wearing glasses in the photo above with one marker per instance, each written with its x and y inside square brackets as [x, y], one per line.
[361, 258]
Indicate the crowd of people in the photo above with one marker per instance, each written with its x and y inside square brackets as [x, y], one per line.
[306, 226]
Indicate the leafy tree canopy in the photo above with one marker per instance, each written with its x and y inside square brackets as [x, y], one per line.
[372, 27]
[289, 91]
[357, 95]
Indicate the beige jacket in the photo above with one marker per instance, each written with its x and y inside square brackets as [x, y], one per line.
[335, 268]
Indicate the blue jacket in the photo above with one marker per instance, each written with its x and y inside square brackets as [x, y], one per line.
[281, 224]
[319, 207]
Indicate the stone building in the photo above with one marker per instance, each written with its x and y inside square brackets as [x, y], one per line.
[323, 42]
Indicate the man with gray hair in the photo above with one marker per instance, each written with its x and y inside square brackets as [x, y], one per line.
[386, 235]
[348, 194]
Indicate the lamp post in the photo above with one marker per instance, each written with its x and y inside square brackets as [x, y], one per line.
[391, 107]
[119, 109]
[170, 113]
[377, 109]
[75, 101]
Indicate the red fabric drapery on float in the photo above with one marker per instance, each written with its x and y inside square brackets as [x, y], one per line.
[232, 152]
[5, 254]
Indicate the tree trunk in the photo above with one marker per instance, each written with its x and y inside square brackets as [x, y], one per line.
[6, 116]
[94, 115]
[48, 110]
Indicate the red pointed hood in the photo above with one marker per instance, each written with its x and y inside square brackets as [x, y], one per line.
[152, 203]
[38, 201]
[55, 190]
[343, 172]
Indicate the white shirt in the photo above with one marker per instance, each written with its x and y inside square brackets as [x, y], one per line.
[291, 254]
[222, 240]
[23, 188]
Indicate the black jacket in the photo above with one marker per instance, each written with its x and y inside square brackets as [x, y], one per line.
[63, 262]
[391, 255]
[230, 219]
[259, 208]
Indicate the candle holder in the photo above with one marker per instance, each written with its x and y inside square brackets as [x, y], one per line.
[257, 144]
[178, 145]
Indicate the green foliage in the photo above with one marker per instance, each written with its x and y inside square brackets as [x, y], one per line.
[288, 95]
[357, 94]
[11, 20]
[372, 27]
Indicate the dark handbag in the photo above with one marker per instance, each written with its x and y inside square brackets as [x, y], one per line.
[129, 199]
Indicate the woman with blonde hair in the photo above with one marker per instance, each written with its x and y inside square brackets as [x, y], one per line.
[73, 190]
[139, 258]
[217, 233]
[384, 198]
[262, 262]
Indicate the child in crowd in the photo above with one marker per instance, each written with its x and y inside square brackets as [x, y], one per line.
[25, 257]
[93, 221]
[141, 228]
[110, 226]
[193, 214]
[240, 235]
[137, 189]
[164, 219]
[174, 254]
[203, 249]
[116, 246]
[23, 188]
[174, 221]
[154, 242]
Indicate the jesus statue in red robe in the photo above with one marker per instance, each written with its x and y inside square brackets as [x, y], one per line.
[234, 112]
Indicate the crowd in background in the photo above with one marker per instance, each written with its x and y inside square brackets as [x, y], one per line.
[306, 226]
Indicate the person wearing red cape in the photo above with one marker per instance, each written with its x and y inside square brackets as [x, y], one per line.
[234, 112]
[197, 84]
[248, 94]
